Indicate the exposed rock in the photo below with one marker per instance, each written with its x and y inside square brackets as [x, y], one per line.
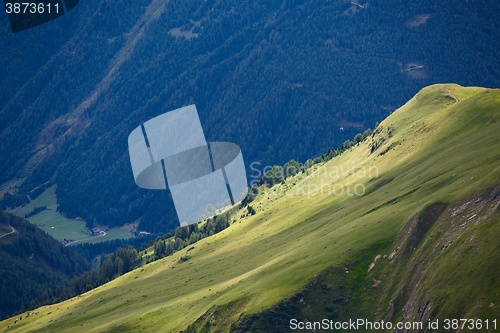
[393, 253]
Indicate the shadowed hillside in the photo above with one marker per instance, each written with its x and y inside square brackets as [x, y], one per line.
[281, 78]
[31, 262]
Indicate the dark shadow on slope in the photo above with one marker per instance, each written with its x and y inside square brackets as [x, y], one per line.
[416, 229]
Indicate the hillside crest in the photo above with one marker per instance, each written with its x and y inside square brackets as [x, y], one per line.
[432, 156]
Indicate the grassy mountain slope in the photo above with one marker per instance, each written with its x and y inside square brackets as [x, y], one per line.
[436, 153]
[442, 265]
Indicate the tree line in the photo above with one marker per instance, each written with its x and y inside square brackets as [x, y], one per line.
[128, 258]
[278, 174]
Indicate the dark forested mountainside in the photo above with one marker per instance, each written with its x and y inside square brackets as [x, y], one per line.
[283, 79]
[31, 263]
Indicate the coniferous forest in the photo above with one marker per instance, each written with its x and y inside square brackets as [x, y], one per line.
[282, 79]
[32, 262]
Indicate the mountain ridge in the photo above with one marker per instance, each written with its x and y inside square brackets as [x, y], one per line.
[432, 151]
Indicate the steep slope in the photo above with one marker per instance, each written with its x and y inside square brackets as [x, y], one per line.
[442, 266]
[412, 185]
[280, 78]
